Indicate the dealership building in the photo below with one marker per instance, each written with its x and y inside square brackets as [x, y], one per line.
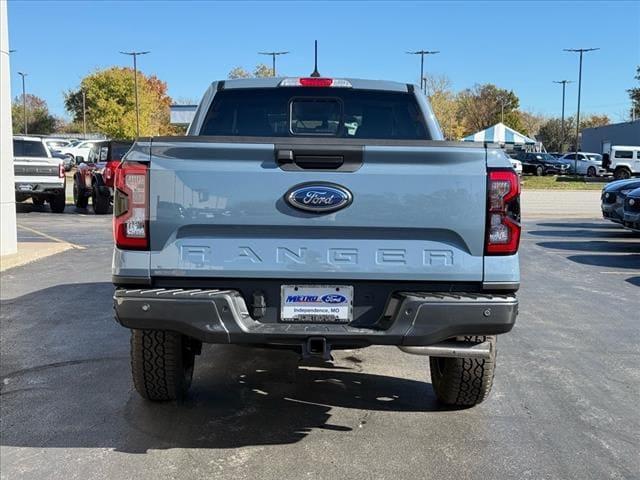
[600, 139]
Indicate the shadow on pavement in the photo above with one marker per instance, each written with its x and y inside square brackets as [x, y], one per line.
[634, 281]
[70, 208]
[610, 261]
[581, 233]
[66, 383]
[584, 225]
[593, 246]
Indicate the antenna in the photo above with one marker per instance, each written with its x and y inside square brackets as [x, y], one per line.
[315, 67]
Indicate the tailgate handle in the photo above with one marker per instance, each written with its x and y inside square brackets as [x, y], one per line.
[340, 158]
[319, 162]
[310, 162]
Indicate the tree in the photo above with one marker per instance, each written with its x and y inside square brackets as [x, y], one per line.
[39, 120]
[531, 123]
[111, 107]
[634, 95]
[260, 71]
[481, 107]
[550, 133]
[445, 106]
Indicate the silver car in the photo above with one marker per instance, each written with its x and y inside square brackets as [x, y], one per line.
[589, 164]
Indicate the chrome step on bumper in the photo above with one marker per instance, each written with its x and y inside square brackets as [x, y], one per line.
[418, 323]
[452, 349]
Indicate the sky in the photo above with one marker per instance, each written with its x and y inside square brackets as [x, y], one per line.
[515, 45]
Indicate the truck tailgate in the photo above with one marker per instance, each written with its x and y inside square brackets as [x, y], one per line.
[218, 210]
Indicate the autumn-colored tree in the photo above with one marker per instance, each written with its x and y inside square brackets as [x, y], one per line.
[110, 103]
[39, 120]
[260, 71]
[445, 106]
[480, 107]
[531, 123]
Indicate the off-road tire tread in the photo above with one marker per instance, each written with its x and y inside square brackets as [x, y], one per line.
[100, 202]
[157, 365]
[58, 202]
[464, 382]
[81, 200]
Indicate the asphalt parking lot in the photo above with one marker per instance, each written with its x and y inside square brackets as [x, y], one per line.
[564, 403]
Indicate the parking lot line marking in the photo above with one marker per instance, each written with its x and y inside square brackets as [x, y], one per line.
[49, 237]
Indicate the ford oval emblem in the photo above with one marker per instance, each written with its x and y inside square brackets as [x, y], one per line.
[319, 197]
[333, 298]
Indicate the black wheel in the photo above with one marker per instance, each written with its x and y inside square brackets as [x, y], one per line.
[39, 201]
[100, 202]
[463, 382]
[161, 364]
[79, 198]
[539, 171]
[622, 173]
[58, 202]
[591, 172]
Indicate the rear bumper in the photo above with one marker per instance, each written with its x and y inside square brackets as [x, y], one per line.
[409, 319]
[38, 188]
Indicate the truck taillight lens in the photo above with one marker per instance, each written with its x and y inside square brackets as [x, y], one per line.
[131, 206]
[503, 213]
[61, 170]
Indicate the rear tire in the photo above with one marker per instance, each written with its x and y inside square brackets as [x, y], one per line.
[58, 202]
[100, 202]
[591, 172]
[161, 364]
[79, 199]
[622, 173]
[463, 382]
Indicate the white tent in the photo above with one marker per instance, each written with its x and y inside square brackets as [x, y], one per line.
[500, 133]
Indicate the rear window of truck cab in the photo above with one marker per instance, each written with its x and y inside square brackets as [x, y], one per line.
[313, 112]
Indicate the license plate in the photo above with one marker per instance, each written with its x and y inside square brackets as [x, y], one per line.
[316, 304]
[25, 187]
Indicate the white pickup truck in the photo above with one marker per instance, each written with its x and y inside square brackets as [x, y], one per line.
[38, 174]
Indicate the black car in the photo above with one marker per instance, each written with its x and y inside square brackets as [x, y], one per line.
[542, 164]
[613, 198]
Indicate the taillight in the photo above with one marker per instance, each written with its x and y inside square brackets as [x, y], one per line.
[109, 171]
[61, 170]
[131, 206]
[503, 213]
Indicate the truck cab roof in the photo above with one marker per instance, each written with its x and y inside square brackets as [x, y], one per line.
[274, 82]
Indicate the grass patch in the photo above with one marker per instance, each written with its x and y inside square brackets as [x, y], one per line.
[559, 183]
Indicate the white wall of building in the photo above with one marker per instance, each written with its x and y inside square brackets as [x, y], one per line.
[8, 242]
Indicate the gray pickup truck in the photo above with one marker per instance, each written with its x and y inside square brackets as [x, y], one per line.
[316, 214]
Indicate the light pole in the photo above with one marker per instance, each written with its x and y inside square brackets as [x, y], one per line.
[422, 53]
[84, 115]
[24, 101]
[564, 86]
[135, 84]
[580, 51]
[273, 58]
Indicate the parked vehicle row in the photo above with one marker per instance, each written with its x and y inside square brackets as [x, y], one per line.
[620, 203]
[538, 163]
